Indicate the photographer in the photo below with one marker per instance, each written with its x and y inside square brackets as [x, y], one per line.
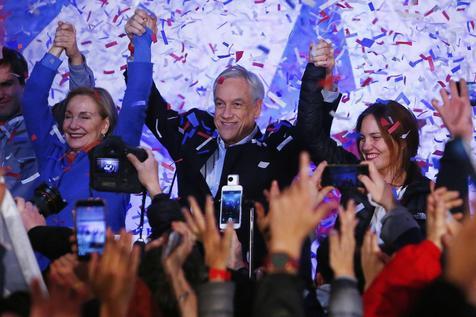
[89, 116]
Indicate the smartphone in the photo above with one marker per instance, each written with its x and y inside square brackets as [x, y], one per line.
[471, 92]
[173, 241]
[90, 225]
[344, 175]
[230, 206]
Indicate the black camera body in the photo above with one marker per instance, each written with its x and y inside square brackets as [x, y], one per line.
[48, 200]
[110, 169]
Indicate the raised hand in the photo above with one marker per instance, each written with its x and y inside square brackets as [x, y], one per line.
[137, 23]
[65, 37]
[461, 259]
[322, 55]
[439, 226]
[456, 110]
[184, 294]
[378, 188]
[373, 260]
[148, 172]
[29, 214]
[342, 244]
[217, 248]
[66, 292]
[112, 276]
[174, 262]
[296, 211]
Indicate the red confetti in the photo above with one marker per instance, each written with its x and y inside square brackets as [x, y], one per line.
[33, 138]
[384, 122]
[111, 44]
[239, 55]
[258, 64]
[325, 17]
[212, 47]
[393, 127]
[430, 61]
[367, 82]
[404, 43]
[167, 166]
[108, 72]
[220, 80]
[202, 134]
[446, 15]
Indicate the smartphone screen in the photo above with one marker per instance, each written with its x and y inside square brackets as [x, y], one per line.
[344, 176]
[90, 222]
[471, 91]
[230, 208]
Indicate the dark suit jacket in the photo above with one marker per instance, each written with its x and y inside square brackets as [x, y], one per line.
[191, 138]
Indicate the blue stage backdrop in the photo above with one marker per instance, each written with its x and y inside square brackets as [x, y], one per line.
[404, 50]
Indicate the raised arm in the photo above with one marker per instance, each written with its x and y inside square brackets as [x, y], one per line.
[80, 75]
[160, 119]
[132, 115]
[315, 104]
[41, 126]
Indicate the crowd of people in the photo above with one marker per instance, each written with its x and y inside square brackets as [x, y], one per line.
[402, 244]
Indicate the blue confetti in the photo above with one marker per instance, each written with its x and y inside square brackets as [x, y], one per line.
[379, 36]
[367, 42]
[405, 99]
[427, 104]
[164, 37]
[413, 64]
[264, 49]
[192, 118]
[371, 6]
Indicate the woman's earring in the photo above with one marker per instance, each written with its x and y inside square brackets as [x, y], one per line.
[103, 135]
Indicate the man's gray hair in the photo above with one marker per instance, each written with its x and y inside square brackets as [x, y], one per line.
[237, 71]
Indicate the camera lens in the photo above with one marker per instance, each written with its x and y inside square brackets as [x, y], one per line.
[230, 179]
[48, 200]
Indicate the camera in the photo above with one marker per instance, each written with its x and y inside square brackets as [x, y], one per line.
[110, 169]
[233, 179]
[344, 176]
[48, 200]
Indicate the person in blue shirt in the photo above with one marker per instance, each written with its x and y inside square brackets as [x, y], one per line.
[89, 116]
[17, 157]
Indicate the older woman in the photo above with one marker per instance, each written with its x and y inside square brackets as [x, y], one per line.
[90, 115]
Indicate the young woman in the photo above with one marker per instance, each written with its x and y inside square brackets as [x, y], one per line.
[388, 141]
